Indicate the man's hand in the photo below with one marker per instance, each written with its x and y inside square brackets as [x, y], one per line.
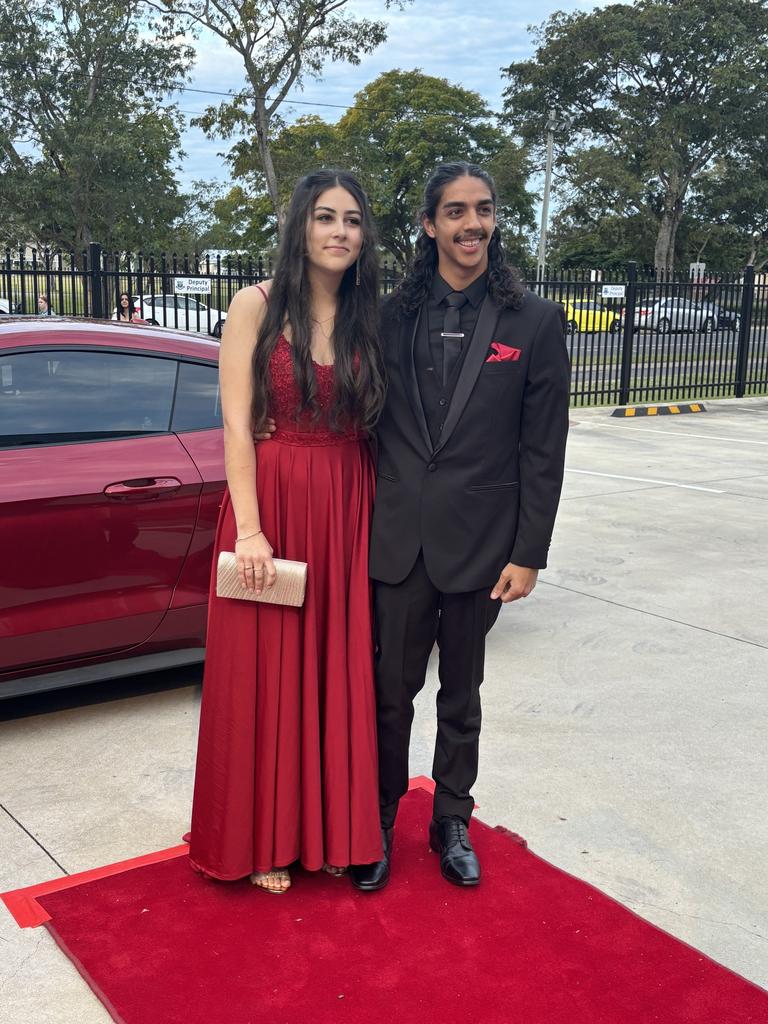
[516, 581]
[269, 429]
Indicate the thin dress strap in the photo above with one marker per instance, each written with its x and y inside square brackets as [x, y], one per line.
[266, 296]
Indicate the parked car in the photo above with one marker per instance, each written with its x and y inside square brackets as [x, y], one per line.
[7, 307]
[182, 312]
[111, 478]
[588, 317]
[667, 315]
[725, 319]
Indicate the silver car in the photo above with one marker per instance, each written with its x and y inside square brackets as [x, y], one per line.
[667, 315]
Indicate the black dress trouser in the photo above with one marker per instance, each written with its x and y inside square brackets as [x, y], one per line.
[409, 617]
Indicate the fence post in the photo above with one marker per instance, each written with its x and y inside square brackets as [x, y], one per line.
[97, 297]
[629, 333]
[745, 324]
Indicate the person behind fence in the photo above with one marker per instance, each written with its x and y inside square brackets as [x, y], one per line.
[286, 766]
[44, 306]
[125, 308]
[471, 446]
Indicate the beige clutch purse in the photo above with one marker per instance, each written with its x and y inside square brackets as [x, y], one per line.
[289, 586]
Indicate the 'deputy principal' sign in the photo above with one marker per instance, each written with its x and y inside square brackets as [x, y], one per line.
[192, 285]
[614, 291]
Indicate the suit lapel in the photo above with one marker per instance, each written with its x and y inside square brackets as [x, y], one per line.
[408, 329]
[470, 370]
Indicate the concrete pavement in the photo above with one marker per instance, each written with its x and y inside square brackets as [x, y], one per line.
[625, 712]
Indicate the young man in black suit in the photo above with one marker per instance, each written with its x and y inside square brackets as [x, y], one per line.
[471, 447]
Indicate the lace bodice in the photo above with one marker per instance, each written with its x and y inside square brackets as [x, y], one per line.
[285, 399]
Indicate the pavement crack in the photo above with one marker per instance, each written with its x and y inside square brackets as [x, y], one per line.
[691, 917]
[34, 839]
[22, 963]
[656, 615]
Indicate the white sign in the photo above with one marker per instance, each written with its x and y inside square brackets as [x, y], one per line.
[614, 291]
[192, 285]
[697, 270]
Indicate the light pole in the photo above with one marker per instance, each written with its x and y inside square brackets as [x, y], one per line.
[551, 125]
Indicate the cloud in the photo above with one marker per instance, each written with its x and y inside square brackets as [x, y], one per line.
[445, 38]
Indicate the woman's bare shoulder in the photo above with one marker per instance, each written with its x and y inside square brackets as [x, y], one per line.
[251, 299]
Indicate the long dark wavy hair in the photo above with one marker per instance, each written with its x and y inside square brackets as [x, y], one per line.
[358, 367]
[504, 283]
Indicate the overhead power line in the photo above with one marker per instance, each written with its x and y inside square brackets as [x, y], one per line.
[181, 87]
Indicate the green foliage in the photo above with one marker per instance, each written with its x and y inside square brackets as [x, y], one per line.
[662, 87]
[401, 126]
[82, 82]
[280, 44]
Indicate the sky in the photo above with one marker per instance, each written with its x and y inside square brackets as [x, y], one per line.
[466, 42]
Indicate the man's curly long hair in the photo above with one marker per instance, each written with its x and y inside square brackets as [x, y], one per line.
[504, 283]
[358, 368]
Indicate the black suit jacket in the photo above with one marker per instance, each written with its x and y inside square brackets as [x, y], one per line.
[488, 492]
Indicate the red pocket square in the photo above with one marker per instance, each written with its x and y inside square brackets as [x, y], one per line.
[503, 353]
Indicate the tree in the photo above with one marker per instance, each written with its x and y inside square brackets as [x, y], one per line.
[280, 43]
[403, 124]
[82, 81]
[732, 206]
[665, 86]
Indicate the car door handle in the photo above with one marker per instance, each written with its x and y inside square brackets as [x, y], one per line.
[142, 488]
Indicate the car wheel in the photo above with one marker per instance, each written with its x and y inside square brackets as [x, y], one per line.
[615, 326]
[571, 326]
[664, 326]
[153, 323]
[709, 325]
[217, 328]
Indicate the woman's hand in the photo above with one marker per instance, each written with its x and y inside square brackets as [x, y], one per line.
[254, 563]
[268, 430]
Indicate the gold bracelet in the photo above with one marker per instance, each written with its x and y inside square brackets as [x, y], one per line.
[248, 536]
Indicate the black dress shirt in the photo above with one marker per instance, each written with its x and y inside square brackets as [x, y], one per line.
[428, 354]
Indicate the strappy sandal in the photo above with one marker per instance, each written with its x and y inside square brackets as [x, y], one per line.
[276, 882]
[335, 872]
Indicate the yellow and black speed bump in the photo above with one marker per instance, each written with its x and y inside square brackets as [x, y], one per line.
[658, 410]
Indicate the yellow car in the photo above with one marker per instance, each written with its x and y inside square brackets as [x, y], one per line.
[586, 316]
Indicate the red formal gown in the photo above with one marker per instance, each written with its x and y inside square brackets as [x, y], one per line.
[286, 762]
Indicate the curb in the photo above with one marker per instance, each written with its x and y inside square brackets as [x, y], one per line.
[658, 410]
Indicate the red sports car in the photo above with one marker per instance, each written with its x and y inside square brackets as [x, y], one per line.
[111, 477]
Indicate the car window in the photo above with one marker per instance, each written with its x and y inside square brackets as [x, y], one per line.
[198, 403]
[54, 397]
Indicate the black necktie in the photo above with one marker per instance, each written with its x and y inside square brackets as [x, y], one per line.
[452, 336]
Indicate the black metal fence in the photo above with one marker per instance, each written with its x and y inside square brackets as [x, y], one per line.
[632, 338]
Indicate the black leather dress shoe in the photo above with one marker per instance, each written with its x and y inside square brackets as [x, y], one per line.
[458, 861]
[370, 877]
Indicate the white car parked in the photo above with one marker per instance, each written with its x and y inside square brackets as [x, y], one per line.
[7, 307]
[183, 312]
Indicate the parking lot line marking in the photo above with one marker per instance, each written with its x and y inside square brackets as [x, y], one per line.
[682, 433]
[645, 480]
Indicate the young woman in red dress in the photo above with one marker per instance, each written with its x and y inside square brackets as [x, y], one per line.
[286, 763]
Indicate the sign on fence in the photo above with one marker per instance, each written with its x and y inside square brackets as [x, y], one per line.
[696, 270]
[614, 291]
[192, 285]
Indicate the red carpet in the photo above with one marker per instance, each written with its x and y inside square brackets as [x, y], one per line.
[532, 945]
